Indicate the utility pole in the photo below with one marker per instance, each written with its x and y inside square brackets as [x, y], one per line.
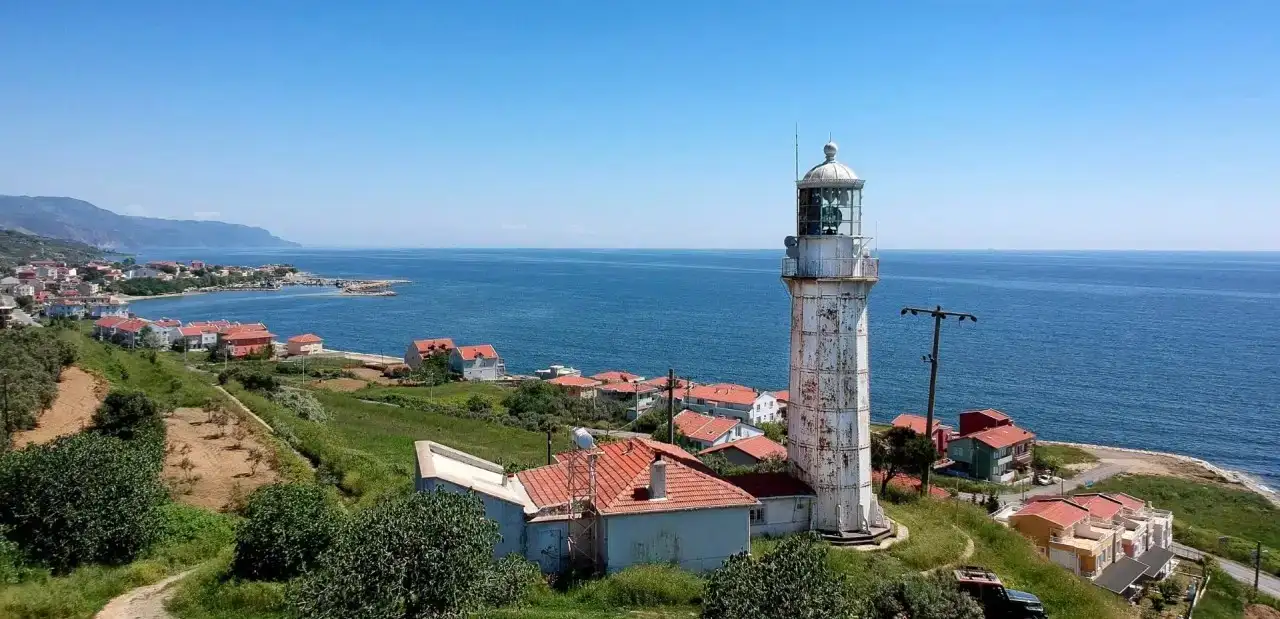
[671, 405]
[4, 410]
[548, 444]
[1257, 568]
[938, 316]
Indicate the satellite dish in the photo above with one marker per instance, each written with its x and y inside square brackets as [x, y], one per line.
[791, 241]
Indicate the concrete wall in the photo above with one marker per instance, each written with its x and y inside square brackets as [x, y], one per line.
[1066, 559]
[782, 515]
[736, 456]
[476, 369]
[547, 544]
[509, 516]
[696, 540]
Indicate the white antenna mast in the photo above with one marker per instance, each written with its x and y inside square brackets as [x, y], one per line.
[797, 145]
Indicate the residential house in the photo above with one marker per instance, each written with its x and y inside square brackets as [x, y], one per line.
[421, 349]
[24, 290]
[143, 272]
[168, 330]
[636, 396]
[617, 376]
[87, 288]
[941, 433]
[729, 400]
[1066, 533]
[66, 308]
[305, 344]
[990, 447]
[556, 371]
[479, 362]
[1145, 528]
[784, 399]
[1159, 521]
[577, 386]
[785, 502]
[243, 343]
[105, 328]
[7, 284]
[705, 431]
[130, 332]
[101, 307]
[748, 451]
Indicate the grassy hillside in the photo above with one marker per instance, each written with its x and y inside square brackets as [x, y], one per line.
[1205, 512]
[17, 248]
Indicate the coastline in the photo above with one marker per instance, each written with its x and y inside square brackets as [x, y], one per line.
[1229, 476]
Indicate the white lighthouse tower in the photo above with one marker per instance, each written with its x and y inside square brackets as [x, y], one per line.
[829, 272]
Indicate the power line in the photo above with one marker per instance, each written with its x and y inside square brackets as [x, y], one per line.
[938, 315]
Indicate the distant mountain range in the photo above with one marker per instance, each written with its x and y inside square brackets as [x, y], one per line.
[77, 220]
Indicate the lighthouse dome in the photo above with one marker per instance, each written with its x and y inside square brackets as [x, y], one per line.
[830, 173]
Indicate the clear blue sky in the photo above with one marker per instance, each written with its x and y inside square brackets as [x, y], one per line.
[977, 124]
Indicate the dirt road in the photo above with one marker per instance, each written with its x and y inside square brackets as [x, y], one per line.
[79, 394]
[144, 602]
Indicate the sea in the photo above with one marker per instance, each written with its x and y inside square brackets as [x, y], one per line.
[1175, 352]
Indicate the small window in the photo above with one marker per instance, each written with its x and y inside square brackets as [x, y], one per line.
[757, 515]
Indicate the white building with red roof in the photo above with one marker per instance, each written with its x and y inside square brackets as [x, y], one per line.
[421, 349]
[579, 386]
[748, 451]
[477, 362]
[617, 376]
[305, 344]
[706, 431]
[645, 502]
[730, 400]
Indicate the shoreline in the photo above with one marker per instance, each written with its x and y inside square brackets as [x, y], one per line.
[1230, 476]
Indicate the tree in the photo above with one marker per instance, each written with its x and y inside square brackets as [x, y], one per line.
[286, 528]
[917, 597]
[25, 302]
[422, 554]
[433, 371]
[992, 504]
[800, 584]
[1041, 461]
[479, 404]
[127, 414]
[901, 450]
[776, 431]
[150, 338]
[85, 498]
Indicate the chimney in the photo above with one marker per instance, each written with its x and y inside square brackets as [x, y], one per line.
[658, 479]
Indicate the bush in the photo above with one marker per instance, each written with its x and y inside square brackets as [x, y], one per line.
[286, 527]
[800, 585]
[511, 580]
[302, 403]
[644, 585]
[921, 598]
[410, 556]
[86, 498]
[127, 414]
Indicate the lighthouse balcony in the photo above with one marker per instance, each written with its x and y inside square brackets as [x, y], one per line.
[864, 267]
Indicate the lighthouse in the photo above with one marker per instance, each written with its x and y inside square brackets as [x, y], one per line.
[829, 272]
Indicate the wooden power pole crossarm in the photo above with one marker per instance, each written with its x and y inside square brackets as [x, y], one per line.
[938, 316]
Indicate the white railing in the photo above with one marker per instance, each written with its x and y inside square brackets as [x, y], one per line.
[865, 267]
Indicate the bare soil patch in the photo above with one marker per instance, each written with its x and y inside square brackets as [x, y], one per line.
[1154, 464]
[79, 394]
[1258, 611]
[344, 385]
[210, 459]
[372, 375]
[144, 602]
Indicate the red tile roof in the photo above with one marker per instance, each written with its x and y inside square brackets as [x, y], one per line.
[1000, 437]
[910, 483]
[1132, 503]
[628, 388]
[483, 351]
[661, 382]
[574, 381]
[108, 322]
[305, 338]
[256, 326]
[427, 346]
[726, 393]
[622, 481]
[701, 427]
[617, 376]
[990, 413]
[1059, 511]
[1101, 506]
[209, 323]
[915, 422]
[133, 325]
[243, 336]
[758, 447]
[168, 322]
[189, 331]
[766, 485]
[783, 396]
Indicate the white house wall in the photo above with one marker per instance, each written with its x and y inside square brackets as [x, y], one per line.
[783, 515]
[696, 540]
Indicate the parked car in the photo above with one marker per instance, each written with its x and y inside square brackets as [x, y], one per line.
[1044, 479]
[997, 602]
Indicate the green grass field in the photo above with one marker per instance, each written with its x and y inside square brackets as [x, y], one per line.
[1204, 512]
[1066, 454]
[1227, 598]
[454, 393]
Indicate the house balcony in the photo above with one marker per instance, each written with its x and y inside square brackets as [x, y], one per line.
[1023, 458]
[864, 267]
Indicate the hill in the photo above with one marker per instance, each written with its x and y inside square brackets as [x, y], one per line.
[18, 248]
[77, 220]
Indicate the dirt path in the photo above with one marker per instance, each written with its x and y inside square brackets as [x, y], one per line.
[964, 556]
[144, 602]
[79, 394]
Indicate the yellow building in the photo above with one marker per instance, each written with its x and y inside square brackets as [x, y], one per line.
[1069, 535]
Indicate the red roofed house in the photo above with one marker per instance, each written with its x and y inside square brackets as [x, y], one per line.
[242, 342]
[639, 502]
[637, 397]
[479, 362]
[705, 431]
[910, 483]
[421, 349]
[990, 447]
[129, 332]
[577, 385]
[1069, 534]
[105, 328]
[1144, 527]
[305, 344]
[785, 502]
[915, 422]
[617, 376]
[748, 451]
[729, 400]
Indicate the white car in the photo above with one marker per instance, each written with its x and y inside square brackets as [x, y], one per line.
[1044, 479]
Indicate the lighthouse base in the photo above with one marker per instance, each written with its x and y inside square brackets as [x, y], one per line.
[871, 537]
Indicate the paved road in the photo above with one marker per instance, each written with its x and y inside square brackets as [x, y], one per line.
[1093, 475]
[1267, 583]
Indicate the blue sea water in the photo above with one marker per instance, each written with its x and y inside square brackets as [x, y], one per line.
[1168, 351]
